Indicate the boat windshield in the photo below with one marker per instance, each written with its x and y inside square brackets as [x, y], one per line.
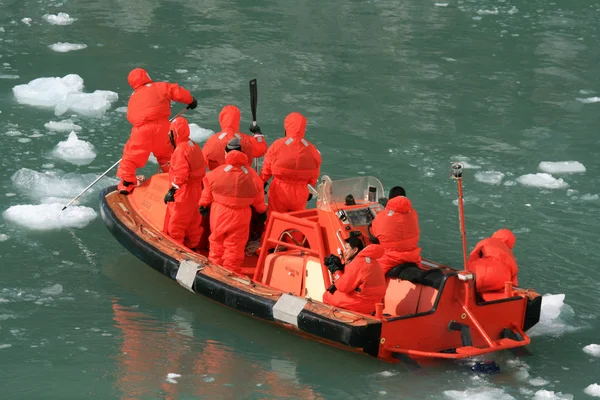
[333, 194]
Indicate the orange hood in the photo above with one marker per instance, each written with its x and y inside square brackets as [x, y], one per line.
[229, 119]
[295, 125]
[399, 204]
[181, 130]
[236, 158]
[138, 77]
[505, 236]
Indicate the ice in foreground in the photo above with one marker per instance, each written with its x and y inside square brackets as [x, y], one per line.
[62, 126]
[75, 151]
[199, 134]
[542, 180]
[561, 167]
[59, 19]
[65, 94]
[45, 217]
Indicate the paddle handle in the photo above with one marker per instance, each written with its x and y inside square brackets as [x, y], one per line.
[92, 184]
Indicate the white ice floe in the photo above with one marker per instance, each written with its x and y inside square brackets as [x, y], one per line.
[542, 180]
[550, 395]
[26, 21]
[589, 100]
[61, 47]
[3, 237]
[23, 140]
[173, 375]
[589, 197]
[538, 382]
[152, 159]
[40, 185]
[561, 167]
[552, 317]
[75, 151]
[65, 94]
[479, 393]
[592, 390]
[59, 19]
[488, 12]
[181, 71]
[122, 109]
[5, 346]
[49, 216]
[441, 4]
[199, 134]
[12, 132]
[53, 290]
[592, 349]
[62, 126]
[4, 76]
[489, 177]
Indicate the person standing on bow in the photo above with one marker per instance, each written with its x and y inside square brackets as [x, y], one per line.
[360, 284]
[148, 111]
[294, 163]
[230, 192]
[188, 168]
[229, 119]
[397, 230]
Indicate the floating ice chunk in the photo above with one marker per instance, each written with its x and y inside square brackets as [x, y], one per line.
[513, 10]
[592, 390]
[489, 177]
[589, 197]
[59, 19]
[49, 216]
[488, 12]
[26, 21]
[387, 373]
[550, 395]
[199, 134]
[3, 237]
[208, 379]
[441, 4]
[171, 380]
[561, 167]
[23, 140]
[522, 374]
[152, 159]
[122, 109]
[62, 126]
[75, 151]
[592, 349]
[538, 382]
[480, 393]
[2, 76]
[54, 290]
[589, 100]
[554, 311]
[63, 94]
[61, 47]
[13, 132]
[542, 180]
[39, 185]
[181, 71]
[172, 375]
[5, 346]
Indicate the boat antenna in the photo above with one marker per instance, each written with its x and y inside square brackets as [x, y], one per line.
[457, 174]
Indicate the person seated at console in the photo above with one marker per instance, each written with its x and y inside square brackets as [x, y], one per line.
[360, 284]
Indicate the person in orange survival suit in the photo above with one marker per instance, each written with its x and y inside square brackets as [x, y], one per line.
[188, 168]
[493, 262]
[230, 190]
[229, 119]
[361, 283]
[294, 163]
[148, 111]
[397, 230]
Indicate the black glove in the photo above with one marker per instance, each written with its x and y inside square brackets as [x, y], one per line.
[261, 218]
[333, 263]
[309, 197]
[193, 104]
[255, 129]
[204, 211]
[170, 196]
[265, 186]
[331, 289]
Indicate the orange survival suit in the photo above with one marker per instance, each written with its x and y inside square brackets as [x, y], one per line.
[230, 190]
[214, 148]
[493, 262]
[294, 163]
[148, 111]
[397, 230]
[361, 285]
[188, 168]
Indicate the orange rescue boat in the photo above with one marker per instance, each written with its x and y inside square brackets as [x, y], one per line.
[435, 313]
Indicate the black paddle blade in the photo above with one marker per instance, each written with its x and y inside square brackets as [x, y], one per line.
[253, 98]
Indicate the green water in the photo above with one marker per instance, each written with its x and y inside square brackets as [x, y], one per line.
[393, 89]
